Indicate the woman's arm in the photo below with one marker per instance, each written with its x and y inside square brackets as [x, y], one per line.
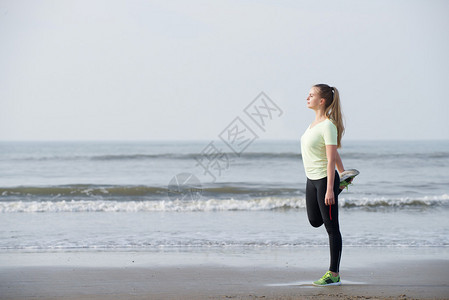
[331, 153]
[339, 163]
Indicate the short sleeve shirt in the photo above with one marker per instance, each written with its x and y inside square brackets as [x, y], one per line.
[313, 148]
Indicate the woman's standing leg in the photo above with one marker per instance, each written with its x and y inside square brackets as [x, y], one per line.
[330, 218]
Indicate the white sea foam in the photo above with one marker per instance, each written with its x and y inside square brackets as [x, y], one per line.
[268, 203]
[395, 202]
[257, 204]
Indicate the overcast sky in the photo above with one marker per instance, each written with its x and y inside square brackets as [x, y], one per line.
[156, 70]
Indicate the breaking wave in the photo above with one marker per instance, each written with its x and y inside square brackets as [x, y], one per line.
[208, 205]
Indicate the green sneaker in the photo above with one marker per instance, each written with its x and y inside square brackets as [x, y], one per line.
[346, 178]
[328, 279]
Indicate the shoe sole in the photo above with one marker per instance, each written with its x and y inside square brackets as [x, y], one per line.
[329, 284]
[346, 177]
[351, 173]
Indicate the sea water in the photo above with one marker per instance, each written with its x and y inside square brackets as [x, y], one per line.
[123, 196]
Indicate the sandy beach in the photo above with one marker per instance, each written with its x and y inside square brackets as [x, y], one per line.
[385, 277]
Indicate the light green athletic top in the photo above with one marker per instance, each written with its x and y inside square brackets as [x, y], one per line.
[313, 148]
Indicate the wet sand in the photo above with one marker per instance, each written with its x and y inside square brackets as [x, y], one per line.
[387, 278]
[220, 282]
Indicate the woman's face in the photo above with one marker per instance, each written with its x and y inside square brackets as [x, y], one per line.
[313, 100]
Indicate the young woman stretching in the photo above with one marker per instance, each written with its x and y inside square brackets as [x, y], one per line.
[319, 145]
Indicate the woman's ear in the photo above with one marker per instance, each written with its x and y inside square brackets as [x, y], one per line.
[322, 101]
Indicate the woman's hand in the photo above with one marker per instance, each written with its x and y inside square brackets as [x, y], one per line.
[329, 199]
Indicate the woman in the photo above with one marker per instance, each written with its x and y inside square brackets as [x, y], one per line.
[319, 153]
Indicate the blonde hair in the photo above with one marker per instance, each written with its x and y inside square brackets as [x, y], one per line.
[333, 108]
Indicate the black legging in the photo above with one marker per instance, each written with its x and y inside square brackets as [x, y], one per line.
[319, 213]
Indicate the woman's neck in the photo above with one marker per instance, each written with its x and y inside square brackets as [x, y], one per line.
[320, 116]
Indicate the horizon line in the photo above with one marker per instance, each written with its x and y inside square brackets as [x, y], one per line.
[209, 140]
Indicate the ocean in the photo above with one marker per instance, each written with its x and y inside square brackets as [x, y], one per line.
[150, 196]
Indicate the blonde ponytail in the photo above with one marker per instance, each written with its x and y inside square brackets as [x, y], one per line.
[333, 108]
[333, 112]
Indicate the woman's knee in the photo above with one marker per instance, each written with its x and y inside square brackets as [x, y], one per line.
[315, 222]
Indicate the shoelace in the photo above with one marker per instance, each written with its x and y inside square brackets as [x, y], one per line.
[328, 275]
